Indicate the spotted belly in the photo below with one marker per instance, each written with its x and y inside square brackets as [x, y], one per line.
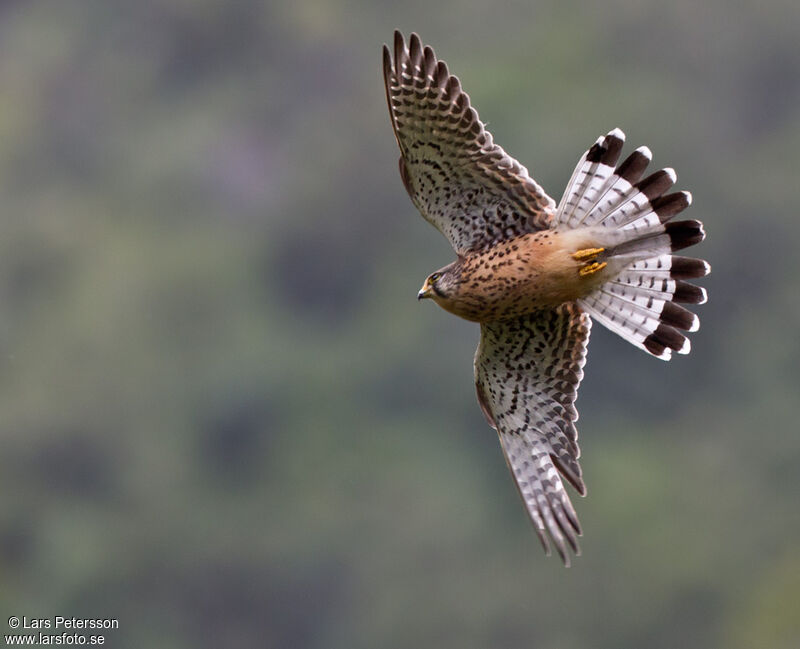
[522, 275]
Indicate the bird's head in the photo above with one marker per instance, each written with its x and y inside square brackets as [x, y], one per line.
[441, 285]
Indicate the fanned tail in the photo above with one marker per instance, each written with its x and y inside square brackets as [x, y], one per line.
[633, 217]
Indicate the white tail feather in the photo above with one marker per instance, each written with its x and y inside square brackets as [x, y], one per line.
[638, 303]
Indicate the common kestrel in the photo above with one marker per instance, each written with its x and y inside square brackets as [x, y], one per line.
[531, 273]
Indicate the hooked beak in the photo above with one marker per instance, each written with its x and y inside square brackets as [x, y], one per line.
[425, 291]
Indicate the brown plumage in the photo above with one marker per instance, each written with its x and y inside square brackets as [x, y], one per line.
[514, 277]
[531, 273]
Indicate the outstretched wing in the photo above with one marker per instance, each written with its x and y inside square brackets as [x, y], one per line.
[459, 179]
[527, 372]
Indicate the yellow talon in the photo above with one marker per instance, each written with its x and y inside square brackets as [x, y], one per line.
[587, 253]
[592, 268]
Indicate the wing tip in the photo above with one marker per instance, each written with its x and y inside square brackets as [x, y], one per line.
[399, 41]
[399, 50]
[387, 63]
[542, 536]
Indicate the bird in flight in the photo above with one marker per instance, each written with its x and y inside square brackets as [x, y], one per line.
[532, 273]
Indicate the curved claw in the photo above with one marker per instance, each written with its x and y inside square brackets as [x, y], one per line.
[591, 269]
[587, 254]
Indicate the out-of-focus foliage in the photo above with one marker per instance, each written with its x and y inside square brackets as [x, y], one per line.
[226, 421]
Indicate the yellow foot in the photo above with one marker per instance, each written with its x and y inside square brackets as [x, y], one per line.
[591, 269]
[587, 254]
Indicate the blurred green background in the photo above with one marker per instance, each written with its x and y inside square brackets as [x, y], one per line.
[227, 422]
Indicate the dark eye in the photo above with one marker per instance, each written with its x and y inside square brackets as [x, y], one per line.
[434, 277]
